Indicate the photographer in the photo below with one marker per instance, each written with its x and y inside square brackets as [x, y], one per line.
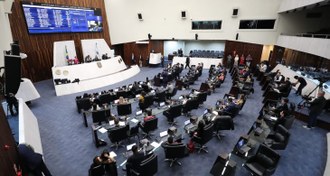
[316, 107]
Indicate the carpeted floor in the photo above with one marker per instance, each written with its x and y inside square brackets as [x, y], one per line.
[68, 146]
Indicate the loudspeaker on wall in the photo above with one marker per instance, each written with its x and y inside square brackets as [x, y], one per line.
[140, 16]
[196, 36]
[235, 12]
[183, 14]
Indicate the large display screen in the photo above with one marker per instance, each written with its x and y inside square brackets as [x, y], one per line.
[49, 18]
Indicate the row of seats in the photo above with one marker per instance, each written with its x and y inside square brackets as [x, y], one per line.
[206, 53]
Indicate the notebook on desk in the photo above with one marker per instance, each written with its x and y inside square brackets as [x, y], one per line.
[162, 134]
[129, 147]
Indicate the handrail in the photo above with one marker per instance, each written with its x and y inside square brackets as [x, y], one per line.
[310, 35]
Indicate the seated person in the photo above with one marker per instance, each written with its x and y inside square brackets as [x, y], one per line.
[283, 87]
[240, 100]
[230, 106]
[279, 78]
[142, 96]
[200, 129]
[134, 160]
[281, 119]
[108, 162]
[282, 107]
[88, 59]
[148, 117]
[122, 100]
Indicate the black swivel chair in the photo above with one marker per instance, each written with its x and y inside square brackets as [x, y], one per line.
[118, 134]
[124, 109]
[105, 98]
[148, 126]
[201, 97]
[84, 104]
[264, 163]
[160, 97]
[279, 140]
[222, 123]
[147, 167]
[202, 140]
[96, 171]
[173, 152]
[134, 132]
[173, 112]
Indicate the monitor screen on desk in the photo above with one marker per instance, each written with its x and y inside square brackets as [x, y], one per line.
[100, 116]
[206, 111]
[240, 143]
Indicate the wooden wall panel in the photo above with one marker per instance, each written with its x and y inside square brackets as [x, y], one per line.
[139, 49]
[293, 57]
[277, 56]
[39, 47]
[255, 50]
[10, 156]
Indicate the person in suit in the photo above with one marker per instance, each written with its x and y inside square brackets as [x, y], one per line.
[302, 83]
[187, 63]
[283, 107]
[281, 119]
[316, 107]
[33, 161]
[109, 163]
[12, 102]
[134, 160]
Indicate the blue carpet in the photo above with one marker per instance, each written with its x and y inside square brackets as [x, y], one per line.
[69, 150]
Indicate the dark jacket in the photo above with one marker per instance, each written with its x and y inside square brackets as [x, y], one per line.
[317, 105]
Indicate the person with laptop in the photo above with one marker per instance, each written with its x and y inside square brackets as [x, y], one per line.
[134, 160]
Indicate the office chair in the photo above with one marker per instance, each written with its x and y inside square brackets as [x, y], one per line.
[289, 122]
[202, 140]
[105, 98]
[264, 162]
[232, 113]
[118, 134]
[222, 123]
[124, 109]
[173, 112]
[173, 152]
[148, 126]
[202, 97]
[134, 132]
[147, 167]
[96, 171]
[160, 97]
[84, 104]
[279, 140]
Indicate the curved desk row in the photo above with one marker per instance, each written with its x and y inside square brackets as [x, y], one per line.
[28, 127]
[96, 79]
[311, 83]
[195, 60]
[327, 166]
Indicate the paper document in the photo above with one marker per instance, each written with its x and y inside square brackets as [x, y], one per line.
[122, 123]
[134, 120]
[103, 130]
[111, 122]
[155, 144]
[113, 154]
[162, 134]
[129, 147]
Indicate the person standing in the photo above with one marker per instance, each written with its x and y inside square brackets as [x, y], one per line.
[32, 160]
[242, 60]
[236, 59]
[248, 60]
[316, 107]
[229, 61]
[187, 63]
[12, 102]
[302, 83]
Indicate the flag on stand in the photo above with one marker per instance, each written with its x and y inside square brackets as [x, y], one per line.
[66, 53]
[97, 51]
